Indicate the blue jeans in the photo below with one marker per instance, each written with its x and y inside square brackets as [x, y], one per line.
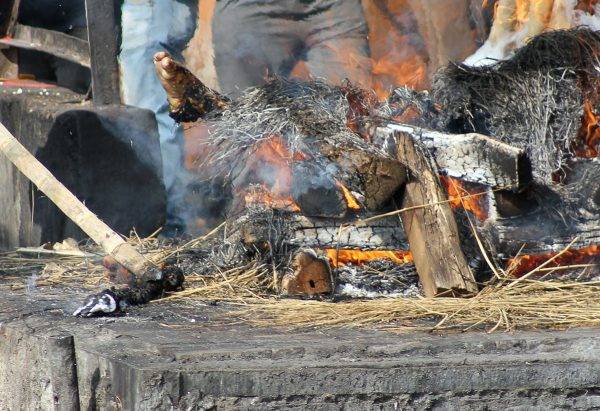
[149, 26]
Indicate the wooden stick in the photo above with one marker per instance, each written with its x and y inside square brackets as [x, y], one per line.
[111, 242]
[432, 231]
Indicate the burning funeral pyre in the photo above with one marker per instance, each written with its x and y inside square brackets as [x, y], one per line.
[495, 172]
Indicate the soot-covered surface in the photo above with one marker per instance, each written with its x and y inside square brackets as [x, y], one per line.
[167, 355]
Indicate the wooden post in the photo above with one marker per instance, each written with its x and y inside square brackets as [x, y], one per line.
[104, 36]
[9, 10]
[74, 209]
[432, 231]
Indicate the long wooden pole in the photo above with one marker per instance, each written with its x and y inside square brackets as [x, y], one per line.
[111, 242]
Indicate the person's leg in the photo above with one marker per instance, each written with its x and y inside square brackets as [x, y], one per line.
[254, 39]
[337, 42]
[149, 26]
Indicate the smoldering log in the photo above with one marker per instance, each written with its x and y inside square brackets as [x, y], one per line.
[430, 225]
[470, 157]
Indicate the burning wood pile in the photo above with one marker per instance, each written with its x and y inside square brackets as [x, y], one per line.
[493, 173]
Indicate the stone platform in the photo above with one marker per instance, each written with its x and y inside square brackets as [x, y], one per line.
[171, 356]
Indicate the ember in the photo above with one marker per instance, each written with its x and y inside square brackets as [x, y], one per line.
[340, 257]
[521, 265]
[589, 133]
[471, 199]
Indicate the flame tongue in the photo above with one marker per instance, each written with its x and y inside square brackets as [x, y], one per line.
[340, 257]
[469, 199]
[350, 200]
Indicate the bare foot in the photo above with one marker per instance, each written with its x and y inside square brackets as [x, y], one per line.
[173, 76]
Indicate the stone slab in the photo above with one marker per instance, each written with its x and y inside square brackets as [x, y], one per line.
[174, 356]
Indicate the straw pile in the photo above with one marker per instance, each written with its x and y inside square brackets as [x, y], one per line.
[502, 305]
[528, 305]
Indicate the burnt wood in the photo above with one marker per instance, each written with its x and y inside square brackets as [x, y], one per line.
[260, 226]
[104, 36]
[470, 157]
[311, 275]
[432, 230]
[364, 168]
[52, 42]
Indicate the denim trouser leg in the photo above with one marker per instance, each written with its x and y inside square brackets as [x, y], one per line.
[149, 26]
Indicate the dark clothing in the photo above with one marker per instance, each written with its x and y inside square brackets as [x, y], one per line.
[256, 38]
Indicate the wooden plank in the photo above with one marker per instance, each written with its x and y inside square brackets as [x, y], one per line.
[432, 230]
[470, 157]
[9, 10]
[49, 41]
[104, 40]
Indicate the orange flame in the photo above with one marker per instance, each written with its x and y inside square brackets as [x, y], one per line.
[521, 265]
[473, 200]
[589, 133]
[350, 200]
[342, 257]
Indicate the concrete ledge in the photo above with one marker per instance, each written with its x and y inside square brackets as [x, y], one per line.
[167, 356]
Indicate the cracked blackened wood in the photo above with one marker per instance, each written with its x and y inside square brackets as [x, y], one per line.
[470, 157]
[379, 175]
[311, 275]
[432, 230]
[258, 228]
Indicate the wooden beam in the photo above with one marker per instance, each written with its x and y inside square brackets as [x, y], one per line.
[431, 230]
[470, 157]
[49, 41]
[9, 10]
[104, 36]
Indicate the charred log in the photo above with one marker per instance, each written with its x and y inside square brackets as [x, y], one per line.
[261, 225]
[469, 157]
